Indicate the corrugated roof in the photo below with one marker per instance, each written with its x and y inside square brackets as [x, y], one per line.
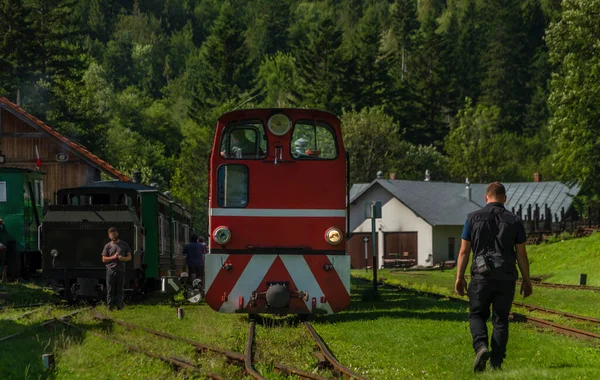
[443, 203]
[117, 184]
[555, 195]
[75, 147]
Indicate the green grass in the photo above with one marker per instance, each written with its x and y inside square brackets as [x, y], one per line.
[16, 294]
[401, 335]
[562, 262]
[409, 336]
[582, 302]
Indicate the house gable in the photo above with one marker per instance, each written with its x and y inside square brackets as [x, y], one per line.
[33, 128]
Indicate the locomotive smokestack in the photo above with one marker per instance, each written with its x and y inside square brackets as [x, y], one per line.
[468, 189]
[137, 176]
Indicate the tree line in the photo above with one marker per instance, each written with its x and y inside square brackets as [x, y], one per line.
[463, 88]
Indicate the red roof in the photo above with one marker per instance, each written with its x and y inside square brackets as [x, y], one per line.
[77, 148]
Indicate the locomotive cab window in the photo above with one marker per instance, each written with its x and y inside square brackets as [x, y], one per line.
[313, 141]
[233, 186]
[245, 140]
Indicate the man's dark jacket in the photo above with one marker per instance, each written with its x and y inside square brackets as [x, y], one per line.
[494, 231]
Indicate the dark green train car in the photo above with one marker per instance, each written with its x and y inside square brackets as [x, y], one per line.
[74, 233]
[21, 210]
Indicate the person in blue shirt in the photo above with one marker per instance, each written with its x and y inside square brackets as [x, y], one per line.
[497, 238]
[194, 253]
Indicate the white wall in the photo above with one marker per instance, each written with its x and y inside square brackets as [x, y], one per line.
[396, 217]
[440, 241]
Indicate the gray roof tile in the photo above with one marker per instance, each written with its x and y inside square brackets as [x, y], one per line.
[443, 203]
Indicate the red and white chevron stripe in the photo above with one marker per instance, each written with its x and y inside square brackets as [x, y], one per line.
[232, 279]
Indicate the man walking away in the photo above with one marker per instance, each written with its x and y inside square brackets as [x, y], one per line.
[497, 238]
[116, 252]
[194, 258]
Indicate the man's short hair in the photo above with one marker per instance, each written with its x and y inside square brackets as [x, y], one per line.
[201, 239]
[194, 238]
[495, 189]
[112, 229]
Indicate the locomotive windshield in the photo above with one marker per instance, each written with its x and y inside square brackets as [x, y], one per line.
[244, 140]
[313, 141]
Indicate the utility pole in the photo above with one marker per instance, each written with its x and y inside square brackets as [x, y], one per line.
[373, 211]
[366, 240]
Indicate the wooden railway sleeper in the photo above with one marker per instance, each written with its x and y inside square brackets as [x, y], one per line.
[200, 347]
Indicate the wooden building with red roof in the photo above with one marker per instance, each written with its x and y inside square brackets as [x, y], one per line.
[66, 163]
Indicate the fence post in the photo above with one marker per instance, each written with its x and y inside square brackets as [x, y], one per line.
[48, 360]
[582, 279]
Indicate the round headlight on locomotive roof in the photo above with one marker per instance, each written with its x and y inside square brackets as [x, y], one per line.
[334, 236]
[54, 253]
[279, 124]
[222, 235]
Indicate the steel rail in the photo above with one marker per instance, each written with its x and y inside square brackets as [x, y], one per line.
[564, 286]
[248, 354]
[557, 312]
[237, 357]
[22, 306]
[345, 371]
[47, 322]
[24, 315]
[176, 363]
[566, 330]
[516, 303]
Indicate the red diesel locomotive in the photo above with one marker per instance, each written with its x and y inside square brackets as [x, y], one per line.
[278, 184]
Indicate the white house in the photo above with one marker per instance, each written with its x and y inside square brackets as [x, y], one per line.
[422, 221]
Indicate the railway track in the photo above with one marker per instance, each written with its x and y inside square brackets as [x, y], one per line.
[24, 306]
[345, 372]
[557, 312]
[565, 286]
[176, 363]
[565, 330]
[46, 322]
[243, 360]
[24, 315]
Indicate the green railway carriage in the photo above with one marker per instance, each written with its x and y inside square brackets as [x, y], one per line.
[74, 233]
[21, 210]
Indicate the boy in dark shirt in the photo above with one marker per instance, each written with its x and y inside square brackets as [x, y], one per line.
[194, 257]
[114, 254]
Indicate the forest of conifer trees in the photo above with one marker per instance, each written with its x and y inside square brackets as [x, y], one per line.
[490, 90]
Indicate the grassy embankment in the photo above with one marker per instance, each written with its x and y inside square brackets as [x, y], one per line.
[559, 262]
[562, 262]
[403, 335]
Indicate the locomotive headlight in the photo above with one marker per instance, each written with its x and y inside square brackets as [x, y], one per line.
[333, 236]
[279, 124]
[54, 253]
[222, 235]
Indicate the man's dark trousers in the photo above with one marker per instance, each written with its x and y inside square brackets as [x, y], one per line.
[485, 293]
[114, 287]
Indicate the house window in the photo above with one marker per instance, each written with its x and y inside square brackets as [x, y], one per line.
[451, 248]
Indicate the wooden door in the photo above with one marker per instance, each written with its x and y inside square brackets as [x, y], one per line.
[356, 249]
[401, 245]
